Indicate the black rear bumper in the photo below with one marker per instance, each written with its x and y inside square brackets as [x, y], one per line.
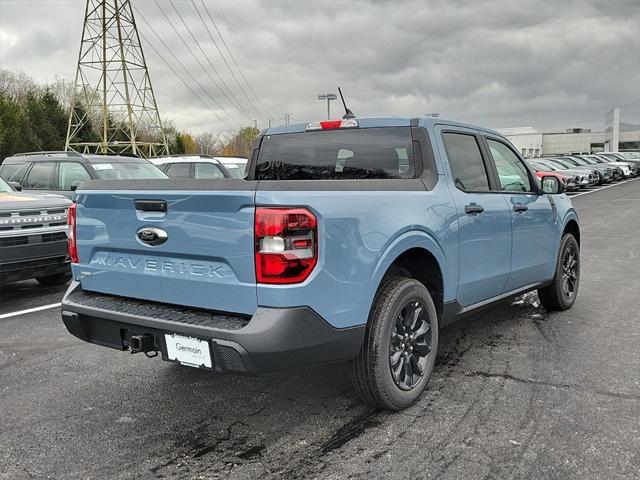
[272, 339]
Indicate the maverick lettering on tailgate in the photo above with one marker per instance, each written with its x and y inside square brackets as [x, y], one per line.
[165, 267]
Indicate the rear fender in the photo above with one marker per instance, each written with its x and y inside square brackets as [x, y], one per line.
[402, 243]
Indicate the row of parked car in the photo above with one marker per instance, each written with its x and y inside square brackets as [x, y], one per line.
[582, 171]
[62, 172]
[35, 193]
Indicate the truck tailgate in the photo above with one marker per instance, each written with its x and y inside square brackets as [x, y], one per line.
[206, 260]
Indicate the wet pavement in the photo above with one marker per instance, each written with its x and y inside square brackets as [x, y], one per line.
[516, 393]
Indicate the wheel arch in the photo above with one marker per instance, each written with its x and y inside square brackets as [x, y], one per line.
[416, 255]
[572, 227]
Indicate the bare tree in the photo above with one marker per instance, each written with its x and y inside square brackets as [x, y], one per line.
[209, 143]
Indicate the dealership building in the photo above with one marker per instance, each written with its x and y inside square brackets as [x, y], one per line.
[616, 136]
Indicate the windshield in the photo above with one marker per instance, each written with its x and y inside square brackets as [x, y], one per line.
[4, 186]
[126, 171]
[371, 153]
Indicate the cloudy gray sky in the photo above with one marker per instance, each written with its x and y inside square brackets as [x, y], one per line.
[548, 64]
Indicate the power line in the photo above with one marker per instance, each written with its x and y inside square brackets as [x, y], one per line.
[215, 102]
[225, 60]
[183, 82]
[240, 107]
[234, 60]
[197, 59]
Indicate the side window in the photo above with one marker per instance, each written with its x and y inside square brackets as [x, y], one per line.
[8, 170]
[512, 173]
[40, 176]
[208, 170]
[469, 172]
[70, 173]
[179, 170]
[18, 176]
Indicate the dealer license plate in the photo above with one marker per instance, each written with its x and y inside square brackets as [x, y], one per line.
[188, 350]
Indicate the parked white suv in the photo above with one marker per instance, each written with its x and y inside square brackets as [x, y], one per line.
[201, 166]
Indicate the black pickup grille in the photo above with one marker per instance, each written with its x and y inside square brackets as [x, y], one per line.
[22, 240]
[157, 310]
[53, 237]
[14, 241]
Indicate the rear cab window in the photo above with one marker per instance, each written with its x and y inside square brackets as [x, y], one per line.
[367, 153]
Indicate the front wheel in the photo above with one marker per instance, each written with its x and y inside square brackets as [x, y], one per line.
[562, 292]
[400, 345]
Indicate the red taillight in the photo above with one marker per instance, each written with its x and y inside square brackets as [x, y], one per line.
[71, 234]
[286, 242]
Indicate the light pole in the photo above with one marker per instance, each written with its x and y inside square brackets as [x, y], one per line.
[328, 97]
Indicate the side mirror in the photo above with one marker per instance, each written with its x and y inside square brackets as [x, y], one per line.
[16, 185]
[552, 185]
[74, 186]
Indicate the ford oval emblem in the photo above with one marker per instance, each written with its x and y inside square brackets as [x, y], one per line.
[152, 236]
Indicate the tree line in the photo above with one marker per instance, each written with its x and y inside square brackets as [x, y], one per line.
[35, 117]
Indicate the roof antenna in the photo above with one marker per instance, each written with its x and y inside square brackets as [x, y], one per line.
[348, 113]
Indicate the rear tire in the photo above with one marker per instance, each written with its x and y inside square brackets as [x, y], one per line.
[54, 280]
[563, 290]
[400, 346]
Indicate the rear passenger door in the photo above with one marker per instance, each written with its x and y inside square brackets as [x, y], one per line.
[484, 221]
[532, 217]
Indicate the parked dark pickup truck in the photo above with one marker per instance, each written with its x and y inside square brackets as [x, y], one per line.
[33, 237]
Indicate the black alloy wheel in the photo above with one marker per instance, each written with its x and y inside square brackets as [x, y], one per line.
[561, 292]
[410, 345]
[400, 345]
[570, 272]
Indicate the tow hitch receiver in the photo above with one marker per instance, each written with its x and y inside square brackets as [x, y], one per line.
[145, 343]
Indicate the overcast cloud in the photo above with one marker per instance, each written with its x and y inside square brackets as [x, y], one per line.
[548, 64]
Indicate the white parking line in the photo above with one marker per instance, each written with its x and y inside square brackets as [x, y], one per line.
[603, 188]
[29, 310]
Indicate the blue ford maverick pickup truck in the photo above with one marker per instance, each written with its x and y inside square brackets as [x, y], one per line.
[350, 240]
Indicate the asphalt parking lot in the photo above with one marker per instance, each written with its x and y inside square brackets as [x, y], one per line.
[516, 393]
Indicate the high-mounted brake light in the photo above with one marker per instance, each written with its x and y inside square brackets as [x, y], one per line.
[333, 124]
[71, 234]
[286, 244]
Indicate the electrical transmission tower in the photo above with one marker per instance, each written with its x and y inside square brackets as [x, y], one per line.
[114, 108]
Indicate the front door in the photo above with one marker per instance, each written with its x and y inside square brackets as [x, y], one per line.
[484, 221]
[532, 218]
